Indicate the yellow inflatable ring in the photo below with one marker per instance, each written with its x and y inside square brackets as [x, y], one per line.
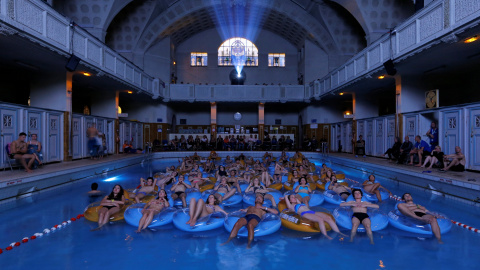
[276, 186]
[91, 212]
[206, 186]
[294, 221]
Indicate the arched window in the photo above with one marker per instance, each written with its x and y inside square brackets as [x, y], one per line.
[239, 51]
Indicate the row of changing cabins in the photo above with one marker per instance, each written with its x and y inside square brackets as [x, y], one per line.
[457, 126]
[48, 125]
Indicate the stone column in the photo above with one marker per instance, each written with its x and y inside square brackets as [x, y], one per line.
[261, 120]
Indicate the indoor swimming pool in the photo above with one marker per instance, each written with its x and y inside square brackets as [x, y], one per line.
[117, 246]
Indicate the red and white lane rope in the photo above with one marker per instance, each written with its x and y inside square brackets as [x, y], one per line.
[470, 228]
[44, 232]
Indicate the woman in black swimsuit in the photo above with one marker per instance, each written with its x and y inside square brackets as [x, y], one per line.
[111, 204]
[221, 172]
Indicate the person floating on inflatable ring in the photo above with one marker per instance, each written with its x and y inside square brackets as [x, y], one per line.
[371, 187]
[253, 216]
[111, 205]
[360, 214]
[200, 209]
[293, 204]
[147, 187]
[419, 212]
[151, 209]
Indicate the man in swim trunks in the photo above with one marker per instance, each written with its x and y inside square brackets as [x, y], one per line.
[253, 216]
[341, 190]
[457, 163]
[179, 189]
[18, 151]
[233, 180]
[147, 187]
[416, 211]
[360, 215]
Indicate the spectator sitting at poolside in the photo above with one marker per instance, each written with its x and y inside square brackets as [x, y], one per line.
[94, 192]
[405, 150]
[35, 147]
[127, 147]
[360, 215]
[421, 149]
[435, 158]
[18, 151]
[419, 212]
[253, 216]
[360, 146]
[457, 161]
[394, 152]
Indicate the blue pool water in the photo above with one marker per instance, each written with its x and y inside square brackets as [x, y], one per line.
[117, 246]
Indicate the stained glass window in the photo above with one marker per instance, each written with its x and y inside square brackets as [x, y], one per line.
[237, 51]
[276, 60]
[198, 59]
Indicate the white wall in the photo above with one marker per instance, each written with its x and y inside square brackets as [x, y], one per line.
[49, 92]
[316, 62]
[209, 41]
[147, 113]
[324, 113]
[365, 106]
[157, 60]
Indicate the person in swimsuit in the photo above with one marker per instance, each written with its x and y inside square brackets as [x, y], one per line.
[360, 215]
[199, 209]
[167, 179]
[35, 147]
[293, 204]
[147, 187]
[179, 188]
[253, 216]
[257, 188]
[18, 151]
[457, 162]
[228, 160]
[258, 167]
[371, 187]
[292, 179]
[93, 190]
[341, 190]
[224, 191]
[303, 191]
[111, 204]
[327, 178]
[220, 172]
[267, 179]
[151, 209]
[324, 169]
[436, 156]
[416, 211]
[278, 172]
[233, 180]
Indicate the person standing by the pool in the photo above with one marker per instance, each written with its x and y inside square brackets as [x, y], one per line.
[92, 134]
[416, 211]
[432, 134]
[253, 216]
[360, 215]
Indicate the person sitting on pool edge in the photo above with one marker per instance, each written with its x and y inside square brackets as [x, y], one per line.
[416, 211]
[179, 188]
[360, 215]
[111, 204]
[199, 209]
[146, 188]
[341, 190]
[253, 216]
[457, 163]
[151, 209]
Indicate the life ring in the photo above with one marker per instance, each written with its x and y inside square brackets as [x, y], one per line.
[213, 179]
[288, 186]
[405, 223]
[371, 197]
[276, 186]
[339, 174]
[234, 199]
[320, 185]
[146, 198]
[316, 197]
[206, 186]
[91, 212]
[343, 216]
[210, 222]
[133, 214]
[332, 197]
[243, 185]
[269, 224]
[249, 197]
[294, 221]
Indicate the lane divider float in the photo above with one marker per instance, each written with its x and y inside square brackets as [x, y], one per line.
[45, 232]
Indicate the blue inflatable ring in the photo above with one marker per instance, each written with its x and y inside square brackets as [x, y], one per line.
[332, 197]
[249, 197]
[343, 217]
[210, 222]
[268, 225]
[190, 192]
[133, 214]
[405, 223]
[235, 199]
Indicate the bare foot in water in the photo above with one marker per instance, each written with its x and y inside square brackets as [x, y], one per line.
[328, 237]
[138, 231]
